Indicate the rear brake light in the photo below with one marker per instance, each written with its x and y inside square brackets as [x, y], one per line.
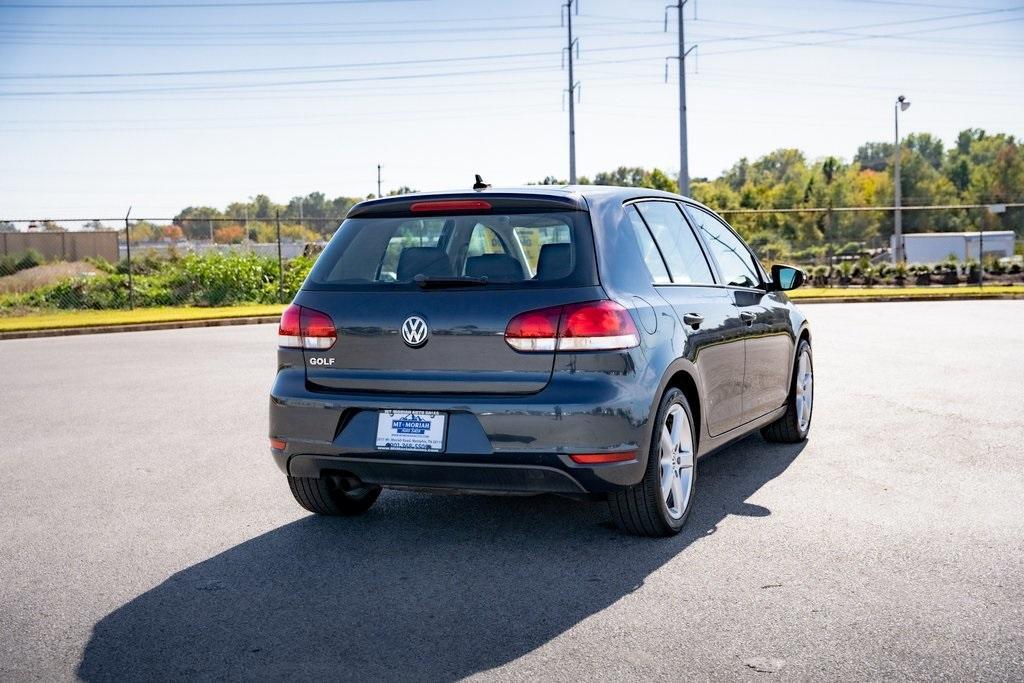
[597, 325]
[278, 444]
[305, 328]
[450, 205]
[534, 330]
[591, 326]
[600, 458]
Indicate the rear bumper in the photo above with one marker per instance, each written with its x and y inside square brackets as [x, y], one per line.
[441, 474]
[516, 444]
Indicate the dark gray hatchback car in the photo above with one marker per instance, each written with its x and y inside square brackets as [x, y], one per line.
[587, 341]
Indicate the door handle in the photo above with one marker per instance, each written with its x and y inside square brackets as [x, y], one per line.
[693, 319]
[748, 317]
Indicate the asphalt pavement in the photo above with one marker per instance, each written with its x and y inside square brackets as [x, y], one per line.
[145, 533]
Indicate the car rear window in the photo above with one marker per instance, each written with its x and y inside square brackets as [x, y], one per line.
[498, 249]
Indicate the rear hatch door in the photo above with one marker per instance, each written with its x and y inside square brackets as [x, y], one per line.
[421, 300]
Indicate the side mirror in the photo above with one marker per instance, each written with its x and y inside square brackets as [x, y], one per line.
[785, 278]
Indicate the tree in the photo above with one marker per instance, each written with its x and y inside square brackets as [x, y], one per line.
[876, 156]
[229, 234]
[636, 176]
[928, 146]
[196, 222]
[172, 233]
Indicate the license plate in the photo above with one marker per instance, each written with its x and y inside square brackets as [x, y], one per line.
[410, 430]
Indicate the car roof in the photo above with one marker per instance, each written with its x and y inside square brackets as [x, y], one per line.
[555, 197]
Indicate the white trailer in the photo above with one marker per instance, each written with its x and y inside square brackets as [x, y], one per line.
[932, 247]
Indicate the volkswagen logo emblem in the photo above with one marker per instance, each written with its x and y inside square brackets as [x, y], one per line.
[415, 331]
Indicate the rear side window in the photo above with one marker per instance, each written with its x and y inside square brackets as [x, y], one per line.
[735, 261]
[501, 250]
[655, 264]
[682, 252]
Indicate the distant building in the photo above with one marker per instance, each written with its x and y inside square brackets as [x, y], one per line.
[932, 247]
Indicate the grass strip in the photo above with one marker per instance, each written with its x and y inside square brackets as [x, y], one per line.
[96, 318]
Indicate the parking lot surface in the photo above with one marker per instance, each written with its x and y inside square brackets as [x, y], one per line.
[145, 533]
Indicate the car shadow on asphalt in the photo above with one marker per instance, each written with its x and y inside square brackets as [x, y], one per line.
[423, 587]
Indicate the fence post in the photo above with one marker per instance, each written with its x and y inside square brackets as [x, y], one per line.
[981, 254]
[128, 243]
[280, 262]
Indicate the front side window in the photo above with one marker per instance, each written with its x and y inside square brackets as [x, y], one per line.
[734, 259]
[686, 262]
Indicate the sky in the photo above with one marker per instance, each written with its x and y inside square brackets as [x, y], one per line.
[106, 104]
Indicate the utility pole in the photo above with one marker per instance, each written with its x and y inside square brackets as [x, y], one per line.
[902, 104]
[571, 44]
[378, 181]
[684, 166]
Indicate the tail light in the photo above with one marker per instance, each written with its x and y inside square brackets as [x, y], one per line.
[305, 328]
[591, 326]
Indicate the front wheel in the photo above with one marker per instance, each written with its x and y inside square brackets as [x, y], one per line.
[795, 423]
[660, 503]
[329, 496]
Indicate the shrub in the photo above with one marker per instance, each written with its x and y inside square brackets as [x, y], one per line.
[30, 259]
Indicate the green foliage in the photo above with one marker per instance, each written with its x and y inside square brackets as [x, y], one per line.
[12, 263]
[636, 176]
[191, 280]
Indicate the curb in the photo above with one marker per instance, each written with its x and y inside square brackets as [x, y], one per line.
[138, 327]
[898, 299]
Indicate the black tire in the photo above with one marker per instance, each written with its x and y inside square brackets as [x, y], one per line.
[325, 496]
[787, 428]
[640, 509]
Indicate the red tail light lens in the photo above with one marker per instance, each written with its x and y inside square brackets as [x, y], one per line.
[597, 325]
[317, 330]
[534, 330]
[306, 328]
[591, 326]
[289, 333]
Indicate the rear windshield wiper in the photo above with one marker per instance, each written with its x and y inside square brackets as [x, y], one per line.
[431, 282]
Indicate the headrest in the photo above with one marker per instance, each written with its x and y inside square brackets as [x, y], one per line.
[554, 262]
[425, 260]
[501, 267]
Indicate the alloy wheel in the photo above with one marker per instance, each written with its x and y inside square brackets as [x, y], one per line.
[676, 459]
[804, 391]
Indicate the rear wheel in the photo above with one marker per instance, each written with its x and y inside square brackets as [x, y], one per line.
[660, 503]
[795, 423]
[328, 495]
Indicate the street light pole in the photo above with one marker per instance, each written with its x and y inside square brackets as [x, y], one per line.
[902, 104]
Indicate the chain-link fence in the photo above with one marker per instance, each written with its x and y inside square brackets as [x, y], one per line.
[211, 262]
[150, 262]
